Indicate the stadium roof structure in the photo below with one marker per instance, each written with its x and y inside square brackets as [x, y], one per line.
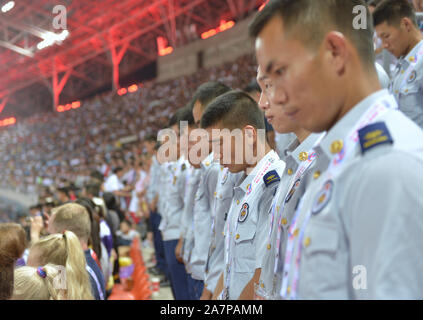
[106, 38]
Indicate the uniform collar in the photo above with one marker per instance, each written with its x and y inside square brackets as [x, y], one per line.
[297, 153]
[343, 127]
[208, 161]
[249, 178]
[405, 61]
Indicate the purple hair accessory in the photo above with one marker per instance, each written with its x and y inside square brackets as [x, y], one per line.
[42, 272]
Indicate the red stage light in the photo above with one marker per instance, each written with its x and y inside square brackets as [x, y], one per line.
[76, 105]
[122, 91]
[223, 27]
[7, 122]
[133, 88]
[162, 47]
[69, 106]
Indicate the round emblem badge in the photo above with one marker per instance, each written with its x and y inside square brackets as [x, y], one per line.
[412, 77]
[243, 214]
[323, 197]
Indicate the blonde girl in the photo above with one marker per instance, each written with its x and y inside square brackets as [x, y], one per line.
[64, 250]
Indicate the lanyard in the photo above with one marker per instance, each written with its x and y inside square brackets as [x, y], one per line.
[379, 108]
[271, 158]
[278, 205]
[224, 174]
[94, 276]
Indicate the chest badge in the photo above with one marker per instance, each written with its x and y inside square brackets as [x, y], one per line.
[323, 197]
[243, 214]
[412, 77]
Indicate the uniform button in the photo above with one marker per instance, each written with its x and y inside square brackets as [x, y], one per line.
[303, 156]
[205, 285]
[337, 146]
[317, 174]
[269, 246]
[396, 91]
[215, 193]
[262, 285]
[406, 90]
[237, 202]
[288, 290]
[296, 232]
[307, 242]
[402, 71]
[290, 172]
[237, 236]
[284, 221]
[207, 163]
[223, 233]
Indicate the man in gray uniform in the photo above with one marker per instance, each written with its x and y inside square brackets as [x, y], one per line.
[222, 203]
[356, 233]
[247, 217]
[396, 25]
[204, 200]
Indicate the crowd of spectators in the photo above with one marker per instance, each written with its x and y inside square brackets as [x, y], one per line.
[47, 151]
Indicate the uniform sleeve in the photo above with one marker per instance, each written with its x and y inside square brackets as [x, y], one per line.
[384, 212]
[212, 177]
[263, 224]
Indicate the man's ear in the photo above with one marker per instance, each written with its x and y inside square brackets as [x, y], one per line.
[407, 24]
[335, 46]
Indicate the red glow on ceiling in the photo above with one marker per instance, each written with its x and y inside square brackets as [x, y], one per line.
[7, 122]
[223, 27]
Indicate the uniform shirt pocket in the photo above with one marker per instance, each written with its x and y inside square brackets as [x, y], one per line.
[410, 101]
[321, 239]
[245, 247]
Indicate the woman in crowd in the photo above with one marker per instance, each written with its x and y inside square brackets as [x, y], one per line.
[64, 250]
[12, 245]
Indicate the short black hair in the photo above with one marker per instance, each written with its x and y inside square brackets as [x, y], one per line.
[392, 12]
[235, 109]
[173, 120]
[253, 86]
[151, 137]
[64, 190]
[93, 189]
[110, 200]
[117, 169]
[186, 115]
[209, 91]
[310, 20]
